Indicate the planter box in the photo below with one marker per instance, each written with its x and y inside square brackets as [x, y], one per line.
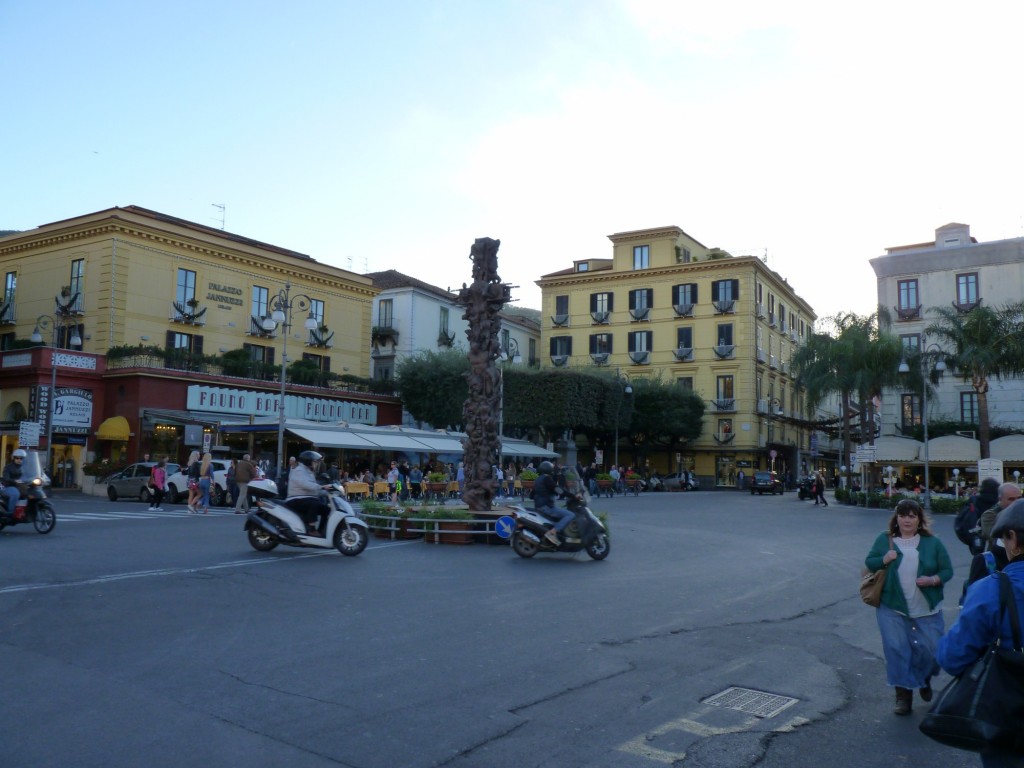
[455, 533]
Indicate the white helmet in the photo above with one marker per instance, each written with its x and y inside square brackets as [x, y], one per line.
[19, 454]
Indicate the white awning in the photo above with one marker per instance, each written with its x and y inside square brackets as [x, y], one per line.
[440, 444]
[1007, 448]
[524, 448]
[394, 442]
[953, 448]
[333, 438]
[895, 450]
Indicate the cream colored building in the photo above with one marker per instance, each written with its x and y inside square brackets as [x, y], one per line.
[727, 327]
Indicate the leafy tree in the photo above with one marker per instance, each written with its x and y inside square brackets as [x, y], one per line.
[981, 345]
[433, 387]
[665, 415]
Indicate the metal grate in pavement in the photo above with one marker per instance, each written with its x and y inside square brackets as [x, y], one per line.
[752, 702]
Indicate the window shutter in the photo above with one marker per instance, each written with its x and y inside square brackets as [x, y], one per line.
[593, 302]
[677, 292]
[569, 350]
[197, 344]
[269, 355]
[551, 345]
[735, 289]
[693, 293]
[610, 340]
[325, 363]
[648, 336]
[714, 291]
[169, 343]
[632, 299]
[593, 343]
[632, 341]
[611, 302]
[650, 297]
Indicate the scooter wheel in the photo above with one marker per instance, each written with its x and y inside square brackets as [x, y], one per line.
[261, 541]
[522, 546]
[350, 540]
[46, 518]
[599, 548]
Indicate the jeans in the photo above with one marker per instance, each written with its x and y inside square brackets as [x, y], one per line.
[11, 495]
[909, 646]
[204, 491]
[564, 516]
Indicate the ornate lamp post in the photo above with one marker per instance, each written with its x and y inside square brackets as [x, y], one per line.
[281, 308]
[42, 323]
[940, 366]
[627, 390]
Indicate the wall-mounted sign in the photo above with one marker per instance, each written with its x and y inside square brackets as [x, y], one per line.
[225, 296]
[248, 403]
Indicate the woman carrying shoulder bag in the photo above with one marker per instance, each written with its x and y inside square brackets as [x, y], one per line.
[192, 472]
[910, 614]
[981, 621]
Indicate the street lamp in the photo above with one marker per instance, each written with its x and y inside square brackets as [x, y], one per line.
[510, 352]
[956, 483]
[281, 308]
[628, 390]
[888, 479]
[43, 322]
[940, 367]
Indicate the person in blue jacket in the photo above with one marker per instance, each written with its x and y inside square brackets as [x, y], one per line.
[910, 614]
[979, 625]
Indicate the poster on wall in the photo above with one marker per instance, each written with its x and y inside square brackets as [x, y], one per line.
[72, 409]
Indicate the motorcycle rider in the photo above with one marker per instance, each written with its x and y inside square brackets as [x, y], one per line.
[302, 482]
[545, 491]
[11, 478]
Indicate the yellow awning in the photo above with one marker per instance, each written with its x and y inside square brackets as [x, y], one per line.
[114, 428]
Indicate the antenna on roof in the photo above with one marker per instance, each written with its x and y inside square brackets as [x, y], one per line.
[223, 208]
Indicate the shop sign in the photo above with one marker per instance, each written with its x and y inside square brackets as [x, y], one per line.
[225, 296]
[249, 403]
[72, 411]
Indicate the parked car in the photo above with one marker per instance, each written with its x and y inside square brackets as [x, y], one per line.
[803, 489]
[132, 482]
[765, 481]
[177, 484]
[680, 481]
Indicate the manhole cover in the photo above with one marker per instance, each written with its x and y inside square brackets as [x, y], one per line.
[752, 702]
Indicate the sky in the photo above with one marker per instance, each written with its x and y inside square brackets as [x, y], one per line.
[391, 134]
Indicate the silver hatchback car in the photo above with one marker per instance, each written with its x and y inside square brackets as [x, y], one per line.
[132, 482]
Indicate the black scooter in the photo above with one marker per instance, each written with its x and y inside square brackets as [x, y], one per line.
[33, 506]
[584, 532]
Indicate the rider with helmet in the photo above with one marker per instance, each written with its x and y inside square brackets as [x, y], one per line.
[11, 478]
[302, 483]
[545, 490]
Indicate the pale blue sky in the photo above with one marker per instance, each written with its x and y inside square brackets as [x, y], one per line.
[377, 135]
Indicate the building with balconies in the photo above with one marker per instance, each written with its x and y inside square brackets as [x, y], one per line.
[953, 270]
[725, 326]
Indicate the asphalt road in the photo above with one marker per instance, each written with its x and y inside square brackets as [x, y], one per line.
[131, 639]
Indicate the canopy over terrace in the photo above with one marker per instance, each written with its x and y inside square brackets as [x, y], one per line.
[399, 439]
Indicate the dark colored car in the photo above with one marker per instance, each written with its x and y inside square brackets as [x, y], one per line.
[765, 481]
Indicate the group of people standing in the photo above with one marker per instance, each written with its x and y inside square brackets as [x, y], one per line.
[910, 619]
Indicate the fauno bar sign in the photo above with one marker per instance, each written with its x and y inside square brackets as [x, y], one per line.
[248, 403]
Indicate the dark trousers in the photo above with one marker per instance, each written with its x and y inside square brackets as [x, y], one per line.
[308, 508]
[158, 496]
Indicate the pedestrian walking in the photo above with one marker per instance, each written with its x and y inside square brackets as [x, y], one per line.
[158, 485]
[819, 485]
[205, 482]
[192, 472]
[910, 614]
[245, 473]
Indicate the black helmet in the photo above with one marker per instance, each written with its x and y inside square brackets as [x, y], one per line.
[308, 457]
[546, 468]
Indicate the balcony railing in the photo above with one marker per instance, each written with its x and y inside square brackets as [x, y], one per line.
[724, 437]
[599, 317]
[724, 307]
[965, 307]
[560, 321]
[725, 404]
[683, 310]
[908, 313]
[640, 314]
[7, 314]
[725, 351]
[640, 358]
[599, 358]
[559, 360]
[683, 353]
[188, 313]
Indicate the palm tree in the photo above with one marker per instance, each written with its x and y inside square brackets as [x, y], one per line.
[982, 344]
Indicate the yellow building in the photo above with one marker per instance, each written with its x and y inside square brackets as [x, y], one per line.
[666, 305]
[131, 277]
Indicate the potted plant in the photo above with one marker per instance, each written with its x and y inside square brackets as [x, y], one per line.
[527, 477]
[454, 526]
[436, 484]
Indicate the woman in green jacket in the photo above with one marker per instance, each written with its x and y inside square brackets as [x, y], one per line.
[910, 616]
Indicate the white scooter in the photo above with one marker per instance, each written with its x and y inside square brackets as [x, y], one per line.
[274, 522]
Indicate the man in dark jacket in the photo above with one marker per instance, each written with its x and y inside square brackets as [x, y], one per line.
[545, 491]
[245, 472]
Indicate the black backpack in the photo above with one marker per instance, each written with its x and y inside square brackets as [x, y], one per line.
[966, 520]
